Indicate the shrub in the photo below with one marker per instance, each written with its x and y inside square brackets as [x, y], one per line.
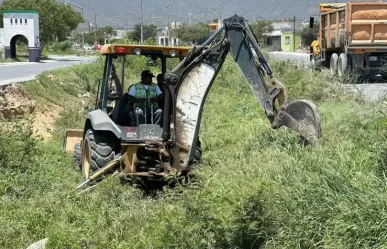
[64, 47]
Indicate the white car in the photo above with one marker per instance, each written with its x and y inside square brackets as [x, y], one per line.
[87, 47]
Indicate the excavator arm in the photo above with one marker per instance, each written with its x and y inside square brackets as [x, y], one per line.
[189, 83]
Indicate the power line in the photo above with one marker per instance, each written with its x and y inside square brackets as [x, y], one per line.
[294, 34]
[142, 26]
[95, 23]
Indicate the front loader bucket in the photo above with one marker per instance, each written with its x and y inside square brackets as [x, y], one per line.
[301, 116]
[72, 137]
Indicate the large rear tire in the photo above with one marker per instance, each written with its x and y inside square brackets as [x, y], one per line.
[97, 151]
[334, 63]
[343, 66]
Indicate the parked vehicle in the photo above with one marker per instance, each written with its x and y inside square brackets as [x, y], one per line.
[352, 38]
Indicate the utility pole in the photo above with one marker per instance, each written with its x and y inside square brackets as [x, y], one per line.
[220, 14]
[95, 30]
[168, 17]
[189, 17]
[95, 21]
[83, 41]
[294, 34]
[237, 6]
[168, 24]
[142, 26]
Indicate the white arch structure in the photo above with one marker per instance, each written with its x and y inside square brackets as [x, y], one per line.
[19, 23]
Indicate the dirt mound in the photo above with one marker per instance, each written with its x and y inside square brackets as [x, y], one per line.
[14, 100]
[44, 121]
[361, 35]
[376, 14]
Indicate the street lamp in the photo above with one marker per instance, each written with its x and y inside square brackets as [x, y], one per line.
[220, 14]
[168, 6]
[79, 7]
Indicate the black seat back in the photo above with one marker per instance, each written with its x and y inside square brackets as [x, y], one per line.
[121, 112]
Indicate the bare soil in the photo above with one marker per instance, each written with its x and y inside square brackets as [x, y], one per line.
[44, 121]
[15, 101]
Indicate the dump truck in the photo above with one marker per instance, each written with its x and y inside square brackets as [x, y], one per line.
[352, 38]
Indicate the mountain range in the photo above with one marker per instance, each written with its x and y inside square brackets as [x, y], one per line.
[126, 13]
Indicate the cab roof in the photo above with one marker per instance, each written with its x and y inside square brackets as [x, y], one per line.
[145, 50]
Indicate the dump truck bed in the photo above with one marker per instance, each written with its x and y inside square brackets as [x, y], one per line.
[360, 26]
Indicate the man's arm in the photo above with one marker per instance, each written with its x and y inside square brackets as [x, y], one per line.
[159, 95]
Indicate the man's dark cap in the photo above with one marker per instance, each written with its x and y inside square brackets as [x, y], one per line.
[147, 73]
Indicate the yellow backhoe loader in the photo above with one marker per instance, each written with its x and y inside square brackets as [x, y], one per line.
[109, 142]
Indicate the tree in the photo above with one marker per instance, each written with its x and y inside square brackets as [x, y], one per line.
[109, 31]
[260, 27]
[91, 37]
[56, 20]
[308, 35]
[100, 35]
[196, 33]
[149, 32]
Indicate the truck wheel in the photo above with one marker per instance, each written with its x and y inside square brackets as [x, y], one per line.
[77, 155]
[342, 65]
[97, 151]
[333, 63]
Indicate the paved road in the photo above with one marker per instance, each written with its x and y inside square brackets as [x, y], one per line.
[19, 72]
[372, 91]
[369, 91]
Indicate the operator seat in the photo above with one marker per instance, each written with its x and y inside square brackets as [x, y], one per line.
[121, 114]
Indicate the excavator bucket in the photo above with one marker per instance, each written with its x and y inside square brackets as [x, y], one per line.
[72, 137]
[301, 116]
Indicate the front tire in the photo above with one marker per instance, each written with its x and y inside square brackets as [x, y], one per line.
[97, 151]
[77, 156]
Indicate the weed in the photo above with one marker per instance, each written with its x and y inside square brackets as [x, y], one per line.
[256, 187]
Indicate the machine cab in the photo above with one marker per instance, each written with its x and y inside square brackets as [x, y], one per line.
[112, 111]
[113, 98]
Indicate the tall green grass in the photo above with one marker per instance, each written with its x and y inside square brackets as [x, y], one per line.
[256, 187]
